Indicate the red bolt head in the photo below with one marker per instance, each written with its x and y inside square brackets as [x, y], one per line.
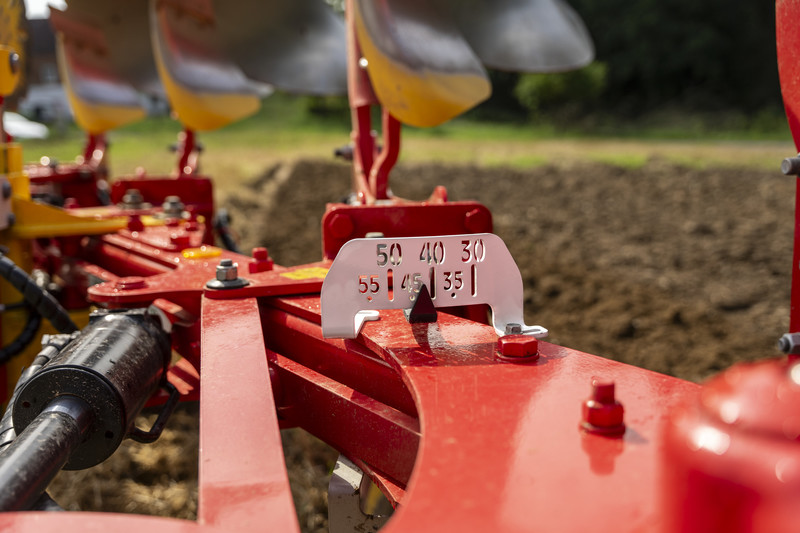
[130, 283]
[602, 413]
[518, 346]
[340, 226]
[135, 223]
[478, 221]
[180, 240]
[261, 261]
[71, 203]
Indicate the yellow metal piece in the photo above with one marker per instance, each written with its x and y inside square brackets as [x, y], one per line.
[307, 273]
[11, 163]
[92, 117]
[13, 37]
[203, 252]
[197, 109]
[35, 220]
[419, 98]
[9, 70]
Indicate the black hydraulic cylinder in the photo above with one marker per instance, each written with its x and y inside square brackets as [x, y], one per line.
[114, 366]
[32, 460]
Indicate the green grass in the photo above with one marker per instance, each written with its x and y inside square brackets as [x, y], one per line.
[284, 129]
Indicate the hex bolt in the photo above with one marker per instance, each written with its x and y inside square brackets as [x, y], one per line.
[513, 329]
[602, 413]
[518, 347]
[227, 270]
[132, 199]
[261, 261]
[791, 166]
[6, 190]
[135, 223]
[172, 206]
[13, 62]
[227, 276]
[789, 343]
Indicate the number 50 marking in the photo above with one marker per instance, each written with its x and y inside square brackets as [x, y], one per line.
[394, 256]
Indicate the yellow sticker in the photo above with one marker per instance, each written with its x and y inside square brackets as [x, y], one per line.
[307, 273]
[204, 252]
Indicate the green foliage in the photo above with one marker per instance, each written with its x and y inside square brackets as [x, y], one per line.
[327, 106]
[571, 91]
[711, 55]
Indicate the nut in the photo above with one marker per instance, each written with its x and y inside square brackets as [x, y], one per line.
[602, 413]
[518, 346]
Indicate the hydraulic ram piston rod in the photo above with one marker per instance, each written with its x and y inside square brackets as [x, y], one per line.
[32, 460]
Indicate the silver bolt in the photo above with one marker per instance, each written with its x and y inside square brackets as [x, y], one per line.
[133, 198]
[791, 166]
[173, 206]
[227, 270]
[790, 343]
[13, 62]
[513, 329]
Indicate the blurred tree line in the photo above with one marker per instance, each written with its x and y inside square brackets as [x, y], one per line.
[709, 56]
[686, 55]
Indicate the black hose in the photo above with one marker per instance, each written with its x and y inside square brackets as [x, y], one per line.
[222, 224]
[24, 338]
[41, 300]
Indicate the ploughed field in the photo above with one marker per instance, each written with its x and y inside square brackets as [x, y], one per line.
[680, 270]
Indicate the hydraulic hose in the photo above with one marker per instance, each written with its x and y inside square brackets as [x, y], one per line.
[24, 338]
[222, 223]
[41, 300]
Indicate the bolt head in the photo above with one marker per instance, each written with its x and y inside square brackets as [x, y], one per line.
[789, 343]
[341, 226]
[518, 346]
[132, 198]
[135, 223]
[602, 413]
[227, 270]
[180, 240]
[13, 62]
[478, 221]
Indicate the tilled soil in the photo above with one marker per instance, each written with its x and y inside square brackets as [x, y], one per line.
[678, 270]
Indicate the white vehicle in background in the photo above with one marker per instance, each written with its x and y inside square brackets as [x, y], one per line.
[20, 127]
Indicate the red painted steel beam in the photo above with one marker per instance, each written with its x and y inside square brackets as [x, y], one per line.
[243, 485]
[352, 422]
[787, 13]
